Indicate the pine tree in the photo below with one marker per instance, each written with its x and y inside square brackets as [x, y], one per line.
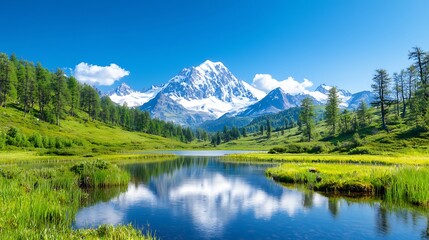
[43, 90]
[306, 118]
[332, 109]
[73, 88]
[421, 63]
[7, 79]
[59, 88]
[396, 90]
[381, 88]
[362, 114]
[268, 128]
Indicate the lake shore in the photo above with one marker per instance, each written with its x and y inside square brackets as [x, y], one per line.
[394, 178]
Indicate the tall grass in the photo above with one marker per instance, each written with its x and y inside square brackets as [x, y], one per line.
[409, 184]
[397, 184]
[42, 203]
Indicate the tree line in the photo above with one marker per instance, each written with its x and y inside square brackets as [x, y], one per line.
[406, 100]
[52, 96]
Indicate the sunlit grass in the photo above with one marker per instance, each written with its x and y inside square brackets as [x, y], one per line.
[41, 203]
[398, 184]
[397, 159]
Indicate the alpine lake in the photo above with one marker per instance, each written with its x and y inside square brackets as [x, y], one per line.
[202, 195]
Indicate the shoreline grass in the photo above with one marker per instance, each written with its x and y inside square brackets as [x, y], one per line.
[41, 203]
[24, 157]
[414, 160]
[397, 179]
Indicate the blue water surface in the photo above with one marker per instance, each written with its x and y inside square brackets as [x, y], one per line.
[204, 198]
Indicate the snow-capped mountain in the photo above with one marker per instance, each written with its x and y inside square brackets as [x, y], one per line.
[125, 94]
[356, 98]
[207, 91]
[210, 88]
[163, 107]
[322, 91]
[275, 101]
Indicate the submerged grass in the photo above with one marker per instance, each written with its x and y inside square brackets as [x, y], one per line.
[42, 203]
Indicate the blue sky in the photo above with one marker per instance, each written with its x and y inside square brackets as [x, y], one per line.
[336, 42]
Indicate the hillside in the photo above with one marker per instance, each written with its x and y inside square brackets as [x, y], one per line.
[79, 136]
[401, 140]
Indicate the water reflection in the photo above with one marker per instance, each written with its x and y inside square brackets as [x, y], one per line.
[204, 198]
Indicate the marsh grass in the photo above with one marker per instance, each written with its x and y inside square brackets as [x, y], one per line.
[397, 184]
[99, 174]
[41, 203]
[344, 178]
[389, 160]
[409, 184]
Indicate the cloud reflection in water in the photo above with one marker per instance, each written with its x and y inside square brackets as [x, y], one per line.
[211, 199]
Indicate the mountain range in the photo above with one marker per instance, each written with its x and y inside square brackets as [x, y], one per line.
[211, 93]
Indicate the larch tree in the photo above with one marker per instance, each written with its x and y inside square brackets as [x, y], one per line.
[73, 88]
[59, 99]
[306, 118]
[397, 91]
[381, 89]
[421, 63]
[7, 79]
[332, 109]
[43, 90]
[362, 114]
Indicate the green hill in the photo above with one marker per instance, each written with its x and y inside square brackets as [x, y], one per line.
[401, 139]
[76, 136]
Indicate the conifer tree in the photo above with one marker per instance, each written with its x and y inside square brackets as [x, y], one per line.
[381, 89]
[332, 109]
[306, 118]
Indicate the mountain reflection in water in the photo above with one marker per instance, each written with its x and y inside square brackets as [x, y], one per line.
[205, 198]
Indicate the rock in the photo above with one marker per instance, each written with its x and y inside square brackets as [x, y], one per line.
[313, 170]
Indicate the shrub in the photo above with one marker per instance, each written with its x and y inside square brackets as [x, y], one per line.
[2, 140]
[359, 150]
[36, 140]
[99, 174]
[357, 141]
[319, 148]
[277, 150]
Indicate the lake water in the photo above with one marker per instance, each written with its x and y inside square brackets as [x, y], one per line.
[204, 198]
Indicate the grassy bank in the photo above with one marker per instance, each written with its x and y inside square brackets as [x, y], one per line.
[416, 160]
[41, 203]
[397, 179]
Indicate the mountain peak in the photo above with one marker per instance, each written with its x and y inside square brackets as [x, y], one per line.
[211, 66]
[122, 90]
[323, 88]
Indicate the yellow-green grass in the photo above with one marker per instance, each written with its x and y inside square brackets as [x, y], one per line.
[95, 136]
[397, 184]
[41, 203]
[32, 156]
[344, 178]
[397, 159]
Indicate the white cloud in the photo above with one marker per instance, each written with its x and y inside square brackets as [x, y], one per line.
[99, 75]
[266, 83]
